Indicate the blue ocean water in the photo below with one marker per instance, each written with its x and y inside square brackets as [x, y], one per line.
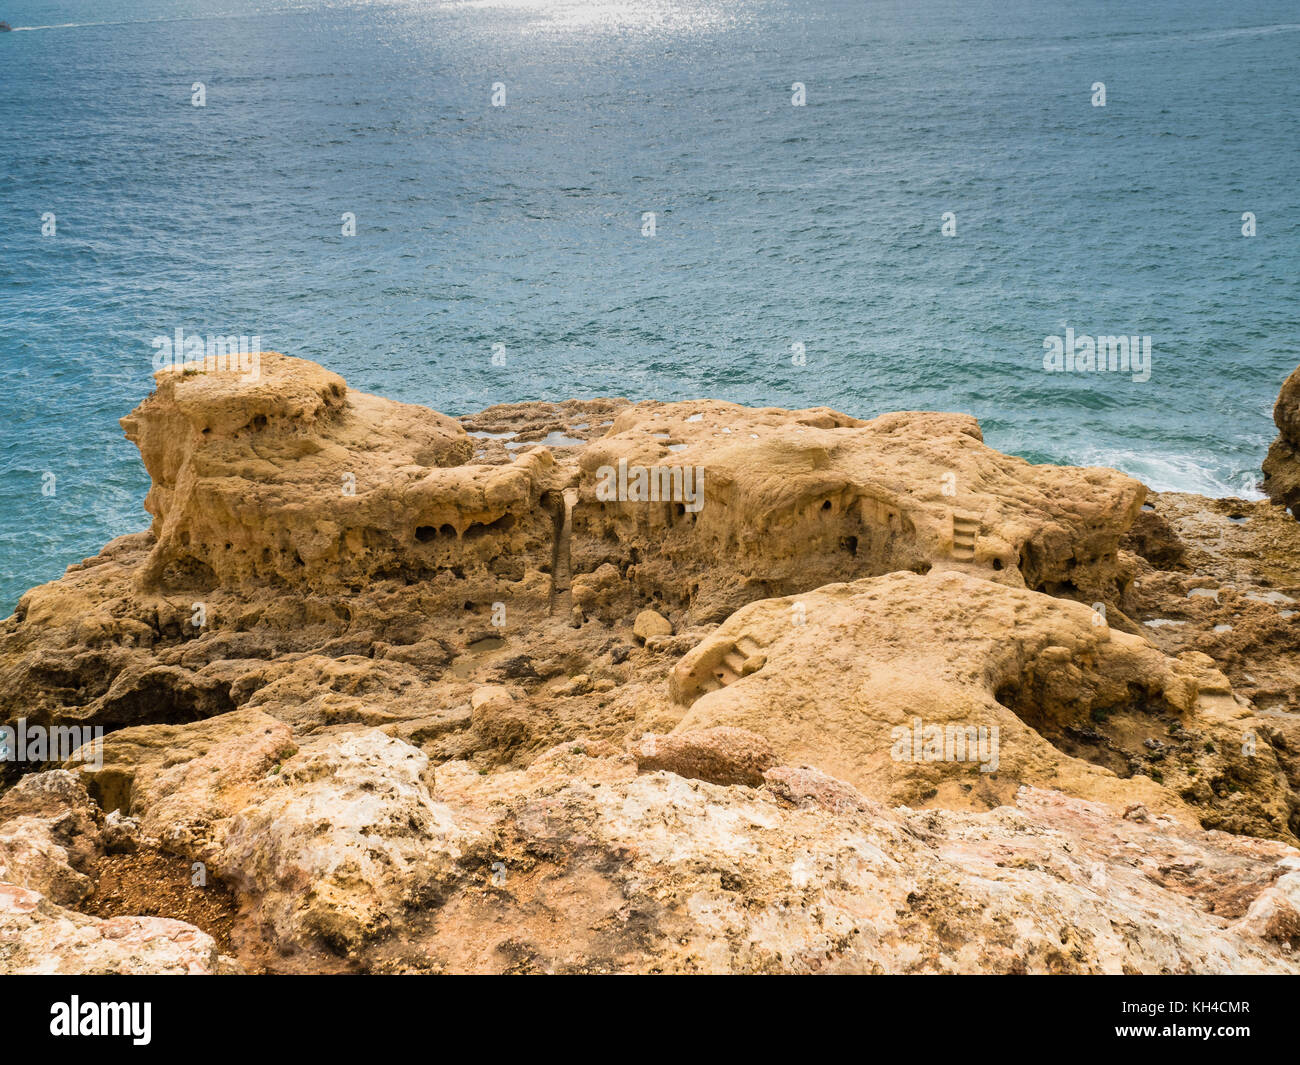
[522, 225]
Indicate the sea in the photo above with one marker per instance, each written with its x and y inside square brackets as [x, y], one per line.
[871, 205]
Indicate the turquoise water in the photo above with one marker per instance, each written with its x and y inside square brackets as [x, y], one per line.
[522, 225]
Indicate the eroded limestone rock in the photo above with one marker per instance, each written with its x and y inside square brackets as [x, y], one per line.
[796, 499]
[379, 670]
[293, 478]
[38, 937]
[352, 859]
[720, 755]
[1022, 688]
[50, 834]
[1282, 464]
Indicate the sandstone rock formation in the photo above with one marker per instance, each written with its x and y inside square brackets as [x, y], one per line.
[292, 478]
[50, 832]
[848, 676]
[40, 938]
[797, 499]
[408, 693]
[1282, 465]
[50, 835]
[720, 755]
[349, 861]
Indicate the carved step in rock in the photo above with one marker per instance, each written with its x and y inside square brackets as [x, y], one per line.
[965, 531]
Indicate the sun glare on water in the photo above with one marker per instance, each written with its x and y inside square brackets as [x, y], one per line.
[675, 16]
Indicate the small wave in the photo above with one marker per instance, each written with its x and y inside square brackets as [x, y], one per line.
[1177, 473]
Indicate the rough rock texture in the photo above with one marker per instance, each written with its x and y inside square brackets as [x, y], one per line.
[721, 755]
[348, 857]
[136, 760]
[1234, 599]
[51, 834]
[349, 861]
[659, 873]
[294, 478]
[1282, 465]
[650, 623]
[830, 677]
[798, 499]
[340, 843]
[374, 678]
[38, 937]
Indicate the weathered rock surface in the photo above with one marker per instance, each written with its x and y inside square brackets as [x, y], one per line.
[418, 696]
[659, 873]
[137, 760]
[841, 676]
[797, 499]
[650, 623]
[720, 755]
[1282, 465]
[340, 844]
[294, 478]
[51, 833]
[1236, 599]
[38, 937]
[349, 861]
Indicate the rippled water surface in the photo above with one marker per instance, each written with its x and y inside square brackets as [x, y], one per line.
[522, 225]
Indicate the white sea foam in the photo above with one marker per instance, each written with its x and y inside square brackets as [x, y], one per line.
[1177, 473]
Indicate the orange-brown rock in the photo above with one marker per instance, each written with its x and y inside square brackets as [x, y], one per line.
[292, 478]
[1282, 464]
[791, 500]
[380, 671]
[355, 858]
[952, 691]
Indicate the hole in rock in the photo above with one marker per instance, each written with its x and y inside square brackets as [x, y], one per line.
[502, 524]
[1060, 589]
[1112, 736]
[188, 573]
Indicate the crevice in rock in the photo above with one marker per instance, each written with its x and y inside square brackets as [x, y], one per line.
[1124, 737]
[561, 599]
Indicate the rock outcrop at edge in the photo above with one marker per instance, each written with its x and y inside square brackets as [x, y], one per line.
[1282, 465]
[415, 703]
